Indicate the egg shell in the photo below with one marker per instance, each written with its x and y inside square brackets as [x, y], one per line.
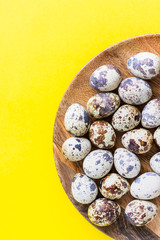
[156, 136]
[102, 135]
[134, 91]
[113, 186]
[138, 141]
[146, 186]
[155, 163]
[140, 212]
[144, 65]
[151, 114]
[105, 78]
[126, 118]
[103, 105]
[76, 120]
[84, 189]
[103, 212]
[76, 149]
[98, 163]
[126, 163]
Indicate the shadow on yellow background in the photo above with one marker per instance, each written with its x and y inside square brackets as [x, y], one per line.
[43, 44]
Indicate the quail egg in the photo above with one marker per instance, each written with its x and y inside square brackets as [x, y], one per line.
[144, 65]
[103, 105]
[126, 163]
[146, 186]
[76, 149]
[113, 186]
[76, 120]
[98, 163]
[156, 137]
[134, 91]
[84, 189]
[102, 135]
[126, 118]
[138, 141]
[151, 114]
[155, 163]
[103, 212]
[105, 78]
[140, 213]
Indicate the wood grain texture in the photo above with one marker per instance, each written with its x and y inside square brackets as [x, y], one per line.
[79, 91]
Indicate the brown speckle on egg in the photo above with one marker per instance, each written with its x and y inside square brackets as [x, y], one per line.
[102, 135]
[140, 212]
[138, 141]
[103, 212]
[126, 118]
[113, 186]
[103, 105]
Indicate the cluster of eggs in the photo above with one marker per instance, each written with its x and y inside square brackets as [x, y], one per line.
[98, 163]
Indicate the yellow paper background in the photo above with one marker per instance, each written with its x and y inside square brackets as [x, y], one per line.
[43, 44]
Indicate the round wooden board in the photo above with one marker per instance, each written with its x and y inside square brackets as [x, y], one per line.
[79, 91]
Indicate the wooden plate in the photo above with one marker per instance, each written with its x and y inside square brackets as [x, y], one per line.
[79, 91]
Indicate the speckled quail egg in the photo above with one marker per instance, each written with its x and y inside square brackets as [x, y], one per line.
[113, 186]
[76, 149]
[151, 114]
[105, 78]
[134, 91]
[156, 136]
[84, 189]
[140, 213]
[126, 163]
[103, 105]
[138, 141]
[146, 186]
[103, 212]
[144, 65]
[126, 118]
[98, 163]
[76, 120]
[102, 135]
[155, 163]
